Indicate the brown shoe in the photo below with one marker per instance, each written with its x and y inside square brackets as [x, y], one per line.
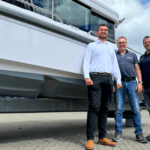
[89, 145]
[106, 142]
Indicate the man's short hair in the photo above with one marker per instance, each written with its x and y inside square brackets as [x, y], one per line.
[145, 38]
[122, 37]
[101, 25]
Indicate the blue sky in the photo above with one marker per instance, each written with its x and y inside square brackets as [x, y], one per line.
[137, 20]
[143, 2]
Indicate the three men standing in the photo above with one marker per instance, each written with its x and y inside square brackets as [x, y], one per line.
[129, 68]
[100, 63]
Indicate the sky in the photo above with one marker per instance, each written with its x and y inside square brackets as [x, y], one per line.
[143, 2]
[137, 20]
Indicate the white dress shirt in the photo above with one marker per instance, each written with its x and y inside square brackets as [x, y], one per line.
[101, 57]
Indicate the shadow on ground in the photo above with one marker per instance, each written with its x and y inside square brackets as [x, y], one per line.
[73, 131]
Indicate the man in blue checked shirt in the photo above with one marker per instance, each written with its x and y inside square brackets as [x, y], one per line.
[129, 68]
[100, 63]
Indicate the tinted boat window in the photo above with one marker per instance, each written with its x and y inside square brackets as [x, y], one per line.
[111, 33]
[73, 13]
[96, 20]
[45, 4]
[14, 2]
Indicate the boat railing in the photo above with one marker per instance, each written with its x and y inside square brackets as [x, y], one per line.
[74, 27]
[89, 33]
[39, 8]
[134, 50]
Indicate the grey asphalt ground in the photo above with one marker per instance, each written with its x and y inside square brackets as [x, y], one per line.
[61, 131]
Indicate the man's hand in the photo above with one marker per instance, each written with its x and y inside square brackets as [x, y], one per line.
[139, 88]
[119, 85]
[113, 89]
[88, 81]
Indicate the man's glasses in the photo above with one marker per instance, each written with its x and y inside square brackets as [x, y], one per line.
[121, 43]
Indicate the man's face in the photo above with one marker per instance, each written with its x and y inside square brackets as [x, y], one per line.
[121, 44]
[147, 44]
[102, 32]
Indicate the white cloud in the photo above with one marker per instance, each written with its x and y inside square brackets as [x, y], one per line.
[136, 24]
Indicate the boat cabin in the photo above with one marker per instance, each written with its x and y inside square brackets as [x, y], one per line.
[85, 15]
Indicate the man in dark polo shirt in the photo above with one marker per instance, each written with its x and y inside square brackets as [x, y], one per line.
[129, 68]
[145, 70]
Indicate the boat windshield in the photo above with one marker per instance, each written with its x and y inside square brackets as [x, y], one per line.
[72, 13]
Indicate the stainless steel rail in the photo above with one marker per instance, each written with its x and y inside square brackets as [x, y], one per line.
[134, 50]
[74, 27]
[34, 6]
[89, 33]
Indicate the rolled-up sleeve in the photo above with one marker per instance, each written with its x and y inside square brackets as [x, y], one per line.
[86, 62]
[116, 70]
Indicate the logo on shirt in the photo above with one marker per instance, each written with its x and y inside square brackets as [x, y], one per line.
[141, 59]
[129, 57]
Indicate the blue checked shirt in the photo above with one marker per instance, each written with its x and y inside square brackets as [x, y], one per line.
[100, 57]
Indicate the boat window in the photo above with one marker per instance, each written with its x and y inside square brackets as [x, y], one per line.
[73, 13]
[14, 2]
[111, 33]
[45, 4]
[96, 20]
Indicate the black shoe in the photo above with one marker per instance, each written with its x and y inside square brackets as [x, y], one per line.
[148, 138]
[117, 137]
[140, 138]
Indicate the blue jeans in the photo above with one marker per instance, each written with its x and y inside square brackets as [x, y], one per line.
[129, 89]
[146, 95]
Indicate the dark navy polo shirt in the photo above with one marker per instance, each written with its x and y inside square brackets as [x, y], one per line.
[144, 64]
[127, 64]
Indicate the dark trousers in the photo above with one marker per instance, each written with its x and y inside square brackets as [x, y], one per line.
[99, 95]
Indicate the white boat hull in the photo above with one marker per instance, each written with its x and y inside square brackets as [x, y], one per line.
[35, 47]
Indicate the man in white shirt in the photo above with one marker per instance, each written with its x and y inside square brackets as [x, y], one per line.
[100, 63]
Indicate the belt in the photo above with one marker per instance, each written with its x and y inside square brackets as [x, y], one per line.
[103, 74]
[128, 79]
